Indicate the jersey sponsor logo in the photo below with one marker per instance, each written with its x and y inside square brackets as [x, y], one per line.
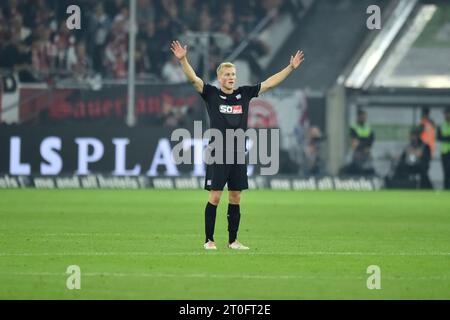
[237, 109]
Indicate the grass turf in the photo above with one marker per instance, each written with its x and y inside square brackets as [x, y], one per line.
[147, 244]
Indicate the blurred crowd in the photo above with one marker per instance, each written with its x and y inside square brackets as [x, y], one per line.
[410, 169]
[35, 40]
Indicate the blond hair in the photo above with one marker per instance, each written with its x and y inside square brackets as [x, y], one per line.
[224, 65]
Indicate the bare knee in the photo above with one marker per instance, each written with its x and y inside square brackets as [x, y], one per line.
[234, 197]
[214, 197]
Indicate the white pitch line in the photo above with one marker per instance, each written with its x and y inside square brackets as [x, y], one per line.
[144, 253]
[97, 234]
[151, 236]
[128, 235]
[167, 275]
[218, 276]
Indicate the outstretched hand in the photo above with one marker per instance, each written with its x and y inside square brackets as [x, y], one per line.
[297, 59]
[179, 51]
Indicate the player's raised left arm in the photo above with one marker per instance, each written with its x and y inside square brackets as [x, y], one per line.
[277, 78]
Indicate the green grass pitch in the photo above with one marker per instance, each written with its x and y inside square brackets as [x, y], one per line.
[147, 244]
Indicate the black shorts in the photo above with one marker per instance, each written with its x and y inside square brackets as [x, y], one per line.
[234, 175]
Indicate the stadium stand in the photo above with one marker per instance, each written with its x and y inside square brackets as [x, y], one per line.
[35, 41]
[53, 75]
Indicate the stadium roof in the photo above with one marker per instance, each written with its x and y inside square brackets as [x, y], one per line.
[418, 56]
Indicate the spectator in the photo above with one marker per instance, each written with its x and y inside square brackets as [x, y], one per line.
[415, 161]
[428, 133]
[205, 21]
[362, 138]
[166, 29]
[40, 31]
[153, 43]
[79, 63]
[222, 40]
[44, 14]
[172, 22]
[443, 134]
[122, 20]
[18, 29]
[271, 5]
[189, 12]
[171, 116]
[145, 12]
[62, 51]
[3, 29]
[170, 9]
[63, 42]
[42, 53]
[312, 158]
[112, 7]
[116, 52]
[9, 52]
[250, 12]
[172, 71]
[142, 58]
[11, 9]
[99, 26]
[116, 58]
[17, 56]
[228, 16]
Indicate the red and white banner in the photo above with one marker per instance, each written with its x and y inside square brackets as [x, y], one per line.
[286, 109]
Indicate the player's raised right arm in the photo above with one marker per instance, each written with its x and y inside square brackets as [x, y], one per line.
[180, 52]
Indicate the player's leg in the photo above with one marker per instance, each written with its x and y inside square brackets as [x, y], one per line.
[234, 214]
[210, 217]
[215, 180]
[237, 182]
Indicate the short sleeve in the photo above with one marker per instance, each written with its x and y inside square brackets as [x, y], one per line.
[251, 91]
[207, 91]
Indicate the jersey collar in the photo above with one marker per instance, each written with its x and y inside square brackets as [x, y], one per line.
[227, 94]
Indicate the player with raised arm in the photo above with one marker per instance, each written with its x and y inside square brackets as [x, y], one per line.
[228, 109]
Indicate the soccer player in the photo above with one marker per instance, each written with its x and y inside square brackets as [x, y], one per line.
[228, 109]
